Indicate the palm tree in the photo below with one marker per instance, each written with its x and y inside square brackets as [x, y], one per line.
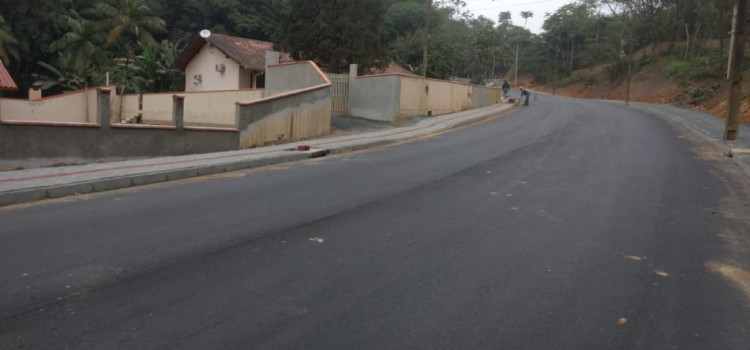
[81, 47]
[65, 80]
[127, 24]
[8, 43]
[526, 15]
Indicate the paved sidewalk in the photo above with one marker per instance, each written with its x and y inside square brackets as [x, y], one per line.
[29, 185]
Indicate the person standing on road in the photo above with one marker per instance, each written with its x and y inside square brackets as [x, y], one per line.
[525, 95]
[506, 89]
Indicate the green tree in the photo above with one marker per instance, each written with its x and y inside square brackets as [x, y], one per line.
[55, 78]
[484, 49]
[152, 68]
[526, 15]
[129, 22]
[81, 47]
[403, 18]
[335, 33]
[8, 42]
[34, 25]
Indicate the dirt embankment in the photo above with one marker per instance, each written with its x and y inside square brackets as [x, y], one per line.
[651, 84]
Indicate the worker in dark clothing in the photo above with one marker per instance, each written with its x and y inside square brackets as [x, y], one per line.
[506, 89]
[526, 96]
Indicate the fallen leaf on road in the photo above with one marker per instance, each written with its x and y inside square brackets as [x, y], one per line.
[633, 257]
[661, 273]
[622, 321]
[317, 240]
[494, 193]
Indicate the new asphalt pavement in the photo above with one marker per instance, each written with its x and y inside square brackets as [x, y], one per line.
[569, 224]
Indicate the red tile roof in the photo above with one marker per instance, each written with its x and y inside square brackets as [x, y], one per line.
[6, 82]
[249, 53]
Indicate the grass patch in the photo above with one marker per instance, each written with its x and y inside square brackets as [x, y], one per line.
[704, 65]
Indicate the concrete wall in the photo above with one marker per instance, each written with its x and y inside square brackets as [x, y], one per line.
[421, 96]
[482, 96]
[287, 77]
[33, 144]
[375, 97]
[299, 108]
[202, 108]
[204, 64]
[73, 107]
[293, 116]
[390, 97]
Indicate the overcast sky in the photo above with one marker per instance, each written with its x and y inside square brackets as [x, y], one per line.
[491, 9]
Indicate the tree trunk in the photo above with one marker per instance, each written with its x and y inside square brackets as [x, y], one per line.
[687, 44]
[572, 45]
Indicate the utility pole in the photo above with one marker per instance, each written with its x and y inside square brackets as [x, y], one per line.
[515, 76]
[630, 64]
[426, 37]
[734, 70]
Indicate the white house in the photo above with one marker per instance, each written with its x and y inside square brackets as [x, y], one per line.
[221, 62]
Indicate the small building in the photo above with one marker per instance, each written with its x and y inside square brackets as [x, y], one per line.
[222, 62]
[6, 82]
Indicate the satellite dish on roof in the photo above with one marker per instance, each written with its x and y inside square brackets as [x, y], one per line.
[205, 33]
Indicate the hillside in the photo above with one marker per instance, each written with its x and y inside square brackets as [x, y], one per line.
[652, 82]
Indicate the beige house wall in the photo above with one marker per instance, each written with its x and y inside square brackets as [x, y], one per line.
[203, 108]
[74, 107]
[129, 107]
[216, 108]
[204, 64]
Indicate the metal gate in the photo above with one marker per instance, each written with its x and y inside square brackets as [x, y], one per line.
[339, 93]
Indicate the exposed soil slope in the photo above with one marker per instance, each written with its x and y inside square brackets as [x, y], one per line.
[651, 84]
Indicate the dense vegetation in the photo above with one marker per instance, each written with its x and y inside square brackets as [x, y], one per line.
[68, 44]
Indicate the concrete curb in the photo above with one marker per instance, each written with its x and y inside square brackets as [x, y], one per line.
[148, 178]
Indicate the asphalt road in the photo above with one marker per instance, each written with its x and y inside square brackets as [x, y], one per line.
[566, 225]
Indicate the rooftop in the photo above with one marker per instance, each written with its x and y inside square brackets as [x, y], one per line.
[6, 82]
[249, 53]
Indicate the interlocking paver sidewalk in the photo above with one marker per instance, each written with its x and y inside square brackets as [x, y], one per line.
[28, 185]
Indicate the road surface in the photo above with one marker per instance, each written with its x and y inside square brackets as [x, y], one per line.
[566, 225]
